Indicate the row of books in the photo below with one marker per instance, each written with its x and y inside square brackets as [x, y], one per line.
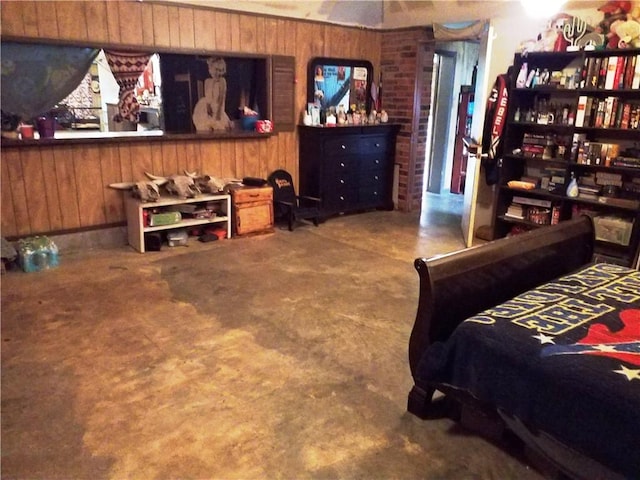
[538, 211]
[597, 153]
[609, 112]
[616, 72]
[585, 152]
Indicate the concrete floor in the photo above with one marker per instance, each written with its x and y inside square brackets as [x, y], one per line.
[275, 356]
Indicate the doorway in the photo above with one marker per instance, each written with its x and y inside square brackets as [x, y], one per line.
[454, 71]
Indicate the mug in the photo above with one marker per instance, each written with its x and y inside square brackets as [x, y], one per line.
[26, 131]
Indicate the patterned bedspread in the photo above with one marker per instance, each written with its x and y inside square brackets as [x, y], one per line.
[563, 358]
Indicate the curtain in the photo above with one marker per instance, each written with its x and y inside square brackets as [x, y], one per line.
[36, 77]
[473, 31]
[127, 68]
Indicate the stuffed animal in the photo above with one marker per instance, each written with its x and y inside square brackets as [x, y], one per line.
[627, 32]
[613, 11]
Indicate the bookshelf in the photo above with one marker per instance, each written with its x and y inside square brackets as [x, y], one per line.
[574, 116]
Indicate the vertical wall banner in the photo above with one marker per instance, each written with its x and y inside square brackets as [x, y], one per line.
[127, 68]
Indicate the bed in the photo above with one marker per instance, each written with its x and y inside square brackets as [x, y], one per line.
[528, 330]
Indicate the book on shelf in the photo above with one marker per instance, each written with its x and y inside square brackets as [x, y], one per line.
[629, 162]
[538, 202]
[635, 82]
[617, 84]
[611, 72]
[580, 111]
[515, 211]
[630, 68]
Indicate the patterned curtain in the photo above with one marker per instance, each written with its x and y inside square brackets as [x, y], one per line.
[127, 68]
[37, 77]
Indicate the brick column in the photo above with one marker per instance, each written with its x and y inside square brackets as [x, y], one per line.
[406, 64]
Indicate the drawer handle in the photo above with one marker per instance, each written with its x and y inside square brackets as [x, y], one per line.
[342, 181]
[343, 147]
[377, 145]
[376, 177]
[377, 162]
[341, 164]
[341, 197]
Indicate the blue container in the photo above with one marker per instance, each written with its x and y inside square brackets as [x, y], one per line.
[249, 122]
[37, 253]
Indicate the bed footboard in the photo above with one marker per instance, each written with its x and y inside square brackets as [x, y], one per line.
[455, 286]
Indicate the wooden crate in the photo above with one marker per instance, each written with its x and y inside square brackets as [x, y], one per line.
[252, 210]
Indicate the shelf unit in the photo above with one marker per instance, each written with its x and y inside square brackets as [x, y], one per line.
[555, 133]
[135, 210]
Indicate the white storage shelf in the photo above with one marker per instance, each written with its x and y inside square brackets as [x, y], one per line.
[135, 216]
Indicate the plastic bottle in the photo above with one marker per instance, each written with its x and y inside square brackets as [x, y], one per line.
[521, 81]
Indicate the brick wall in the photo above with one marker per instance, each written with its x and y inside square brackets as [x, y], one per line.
[406, 63]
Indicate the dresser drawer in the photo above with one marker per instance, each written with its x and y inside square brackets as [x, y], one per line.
[374, 144]
[348, 163]
[252, 194]
[341, 146]
[372, 162]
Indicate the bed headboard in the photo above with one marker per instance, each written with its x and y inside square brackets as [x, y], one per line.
[458, 285]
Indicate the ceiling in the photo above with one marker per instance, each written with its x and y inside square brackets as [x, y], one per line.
[381, 13]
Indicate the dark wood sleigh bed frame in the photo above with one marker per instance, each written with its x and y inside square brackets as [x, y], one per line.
[456, 286]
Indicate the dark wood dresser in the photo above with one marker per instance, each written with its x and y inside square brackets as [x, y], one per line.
[349, 167]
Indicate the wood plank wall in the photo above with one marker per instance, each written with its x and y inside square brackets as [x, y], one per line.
[64, 187]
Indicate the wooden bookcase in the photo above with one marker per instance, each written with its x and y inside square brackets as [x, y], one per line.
[580, 120]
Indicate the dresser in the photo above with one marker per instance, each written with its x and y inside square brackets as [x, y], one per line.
[350, 168]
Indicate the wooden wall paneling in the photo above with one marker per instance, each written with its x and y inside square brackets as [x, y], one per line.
[86, 163]
[47, 23]
[247, 31]
[18, 193]
[156, 159]
[113, 23]
[174, 26]
[35, 189]
[204, 28]
[52, 193]
[99, 28]
[270, 155]
[271, 35]
[9, 227]
[161, 32]
[12, 21]
[234, 27]
[30, 19]
[289, 33]
[169, 158]
[193, 161]
[227, 158]
[126, 169]
[146, 12]
[72, 22]
[141, 160]
[182, 156]
[186, 27]
[67, 188]
[130, 15]
[223, 31]
[210, 159]
[250, 156]
[261, 35]
[281, 34]
[110, 171]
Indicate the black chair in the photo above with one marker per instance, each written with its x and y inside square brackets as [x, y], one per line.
[289, 206]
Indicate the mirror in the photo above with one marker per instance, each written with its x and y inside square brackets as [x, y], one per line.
[164, 92]
[332, 82]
